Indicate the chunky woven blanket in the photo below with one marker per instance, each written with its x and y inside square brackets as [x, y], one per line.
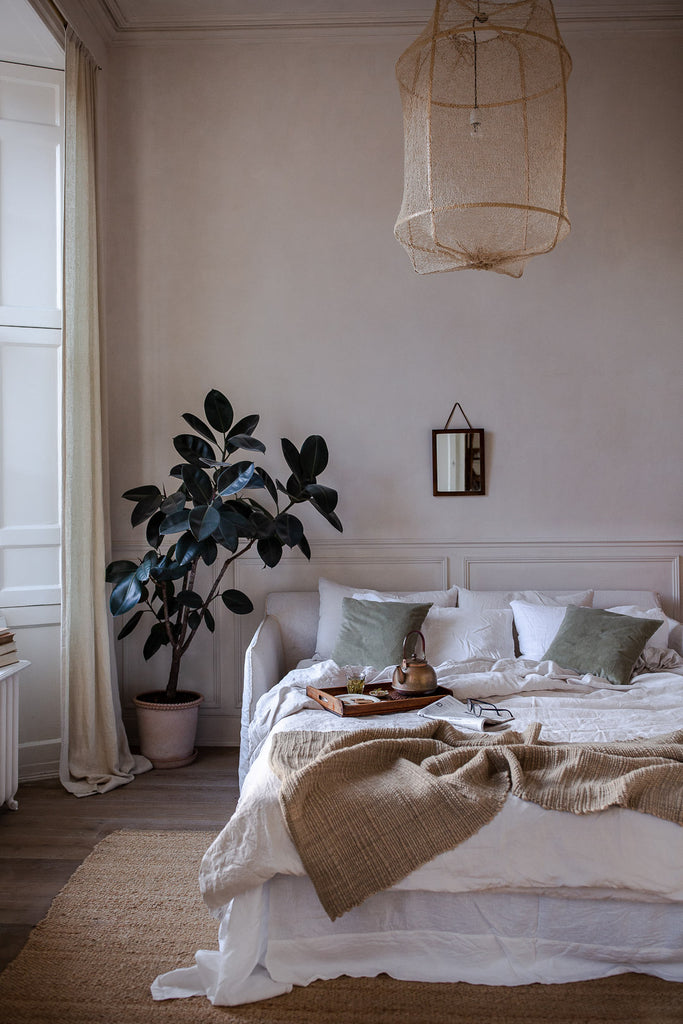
[366, 808]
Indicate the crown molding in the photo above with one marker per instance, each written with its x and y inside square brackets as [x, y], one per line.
[119, 20]
[88, 17]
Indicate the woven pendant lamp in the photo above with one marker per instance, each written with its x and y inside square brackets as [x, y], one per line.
[484, 100]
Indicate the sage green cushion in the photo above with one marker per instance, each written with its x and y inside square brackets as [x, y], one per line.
[603, 643]
[372, 632]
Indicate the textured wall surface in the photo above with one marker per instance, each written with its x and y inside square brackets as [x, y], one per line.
[251, 188]
[251, 191]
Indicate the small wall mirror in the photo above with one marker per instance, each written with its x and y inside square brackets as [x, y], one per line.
[458, 462]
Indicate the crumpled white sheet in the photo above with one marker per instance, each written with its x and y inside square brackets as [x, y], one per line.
[524, 849]
[255, 845]
[658, 659]
[498, 681]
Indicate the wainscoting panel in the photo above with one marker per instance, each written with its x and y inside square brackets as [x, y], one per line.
[214, 664]
[573, 566]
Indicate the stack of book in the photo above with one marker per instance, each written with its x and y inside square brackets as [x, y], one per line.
[8, 648]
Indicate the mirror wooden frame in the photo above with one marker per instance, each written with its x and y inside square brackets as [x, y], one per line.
[475, 475]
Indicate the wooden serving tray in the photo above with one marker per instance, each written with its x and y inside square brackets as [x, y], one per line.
[329, 699]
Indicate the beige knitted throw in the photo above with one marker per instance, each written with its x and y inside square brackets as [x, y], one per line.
[366, 808]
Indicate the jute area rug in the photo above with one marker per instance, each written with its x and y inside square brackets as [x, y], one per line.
[132, 910]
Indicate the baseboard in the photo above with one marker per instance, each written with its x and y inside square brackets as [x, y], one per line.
[38, 770]
[213, 730]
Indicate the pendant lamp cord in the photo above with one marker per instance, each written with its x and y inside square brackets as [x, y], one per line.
[481, 18]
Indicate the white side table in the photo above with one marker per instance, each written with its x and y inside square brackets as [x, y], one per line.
[9, 733]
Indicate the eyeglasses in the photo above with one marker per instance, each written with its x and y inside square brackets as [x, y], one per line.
[481, 708]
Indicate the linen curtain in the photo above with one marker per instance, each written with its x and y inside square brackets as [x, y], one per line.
[95, 753]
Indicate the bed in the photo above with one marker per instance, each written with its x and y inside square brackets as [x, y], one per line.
[531, 893]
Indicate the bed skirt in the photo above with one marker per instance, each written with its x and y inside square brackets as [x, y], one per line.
[277, 936]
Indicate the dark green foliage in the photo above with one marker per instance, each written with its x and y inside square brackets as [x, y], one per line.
[212, 508]
[237, 602]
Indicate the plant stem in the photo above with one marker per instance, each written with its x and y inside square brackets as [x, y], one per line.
[167, 617]
[172, 685]
[184, 639]
[214, 589]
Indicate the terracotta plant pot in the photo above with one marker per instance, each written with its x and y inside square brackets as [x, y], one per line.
[167, 731]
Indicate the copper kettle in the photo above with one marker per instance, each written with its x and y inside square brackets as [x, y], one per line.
[414, 676]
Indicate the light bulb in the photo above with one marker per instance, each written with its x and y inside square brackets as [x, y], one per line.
[475, 123]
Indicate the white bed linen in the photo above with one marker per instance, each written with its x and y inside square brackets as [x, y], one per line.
[525, 858]
[482, 937]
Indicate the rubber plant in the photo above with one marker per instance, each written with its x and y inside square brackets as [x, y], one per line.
[212, 513]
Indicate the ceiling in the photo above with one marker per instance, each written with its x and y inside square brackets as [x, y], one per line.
[137, 16]
[25, 38]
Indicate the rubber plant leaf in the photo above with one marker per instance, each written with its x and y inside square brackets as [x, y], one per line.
[289, 529]
[245, 441]
[117, 570]
[209, 550]
[323, 498]
[237, 602]
[230, 482]
[200, 426]
[218, 411]
[152, 532]
[247, 425]
[175, 523]
[314, 456]
[139, 493]
[292, 458]
[270, 550]
[125, 595]
[204, 519]
[131, 624]
[145, 508]
[193, 449]
[198, 483]
[186, 550]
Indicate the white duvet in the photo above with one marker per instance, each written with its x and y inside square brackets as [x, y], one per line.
[618, 854]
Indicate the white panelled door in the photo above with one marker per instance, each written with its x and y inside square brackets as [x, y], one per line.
[31, 173]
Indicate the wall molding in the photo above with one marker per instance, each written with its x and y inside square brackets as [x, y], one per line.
[396, 565]
[122, 21]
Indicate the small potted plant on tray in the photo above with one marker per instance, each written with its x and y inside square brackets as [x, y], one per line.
[211, 516]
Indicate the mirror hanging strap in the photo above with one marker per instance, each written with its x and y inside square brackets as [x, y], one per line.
[457, 406]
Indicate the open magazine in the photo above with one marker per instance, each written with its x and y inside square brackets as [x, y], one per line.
[475, 716]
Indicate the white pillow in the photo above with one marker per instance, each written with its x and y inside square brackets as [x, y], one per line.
[481, 600]
[452, 634]
[439, 598]
[661, 637]
[332, 595]
[536, 626]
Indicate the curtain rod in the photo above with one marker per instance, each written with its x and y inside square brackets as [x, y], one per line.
[52, 17]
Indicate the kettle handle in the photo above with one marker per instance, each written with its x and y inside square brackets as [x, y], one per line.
[405, 641]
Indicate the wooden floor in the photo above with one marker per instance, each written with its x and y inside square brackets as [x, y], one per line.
[43, 842]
